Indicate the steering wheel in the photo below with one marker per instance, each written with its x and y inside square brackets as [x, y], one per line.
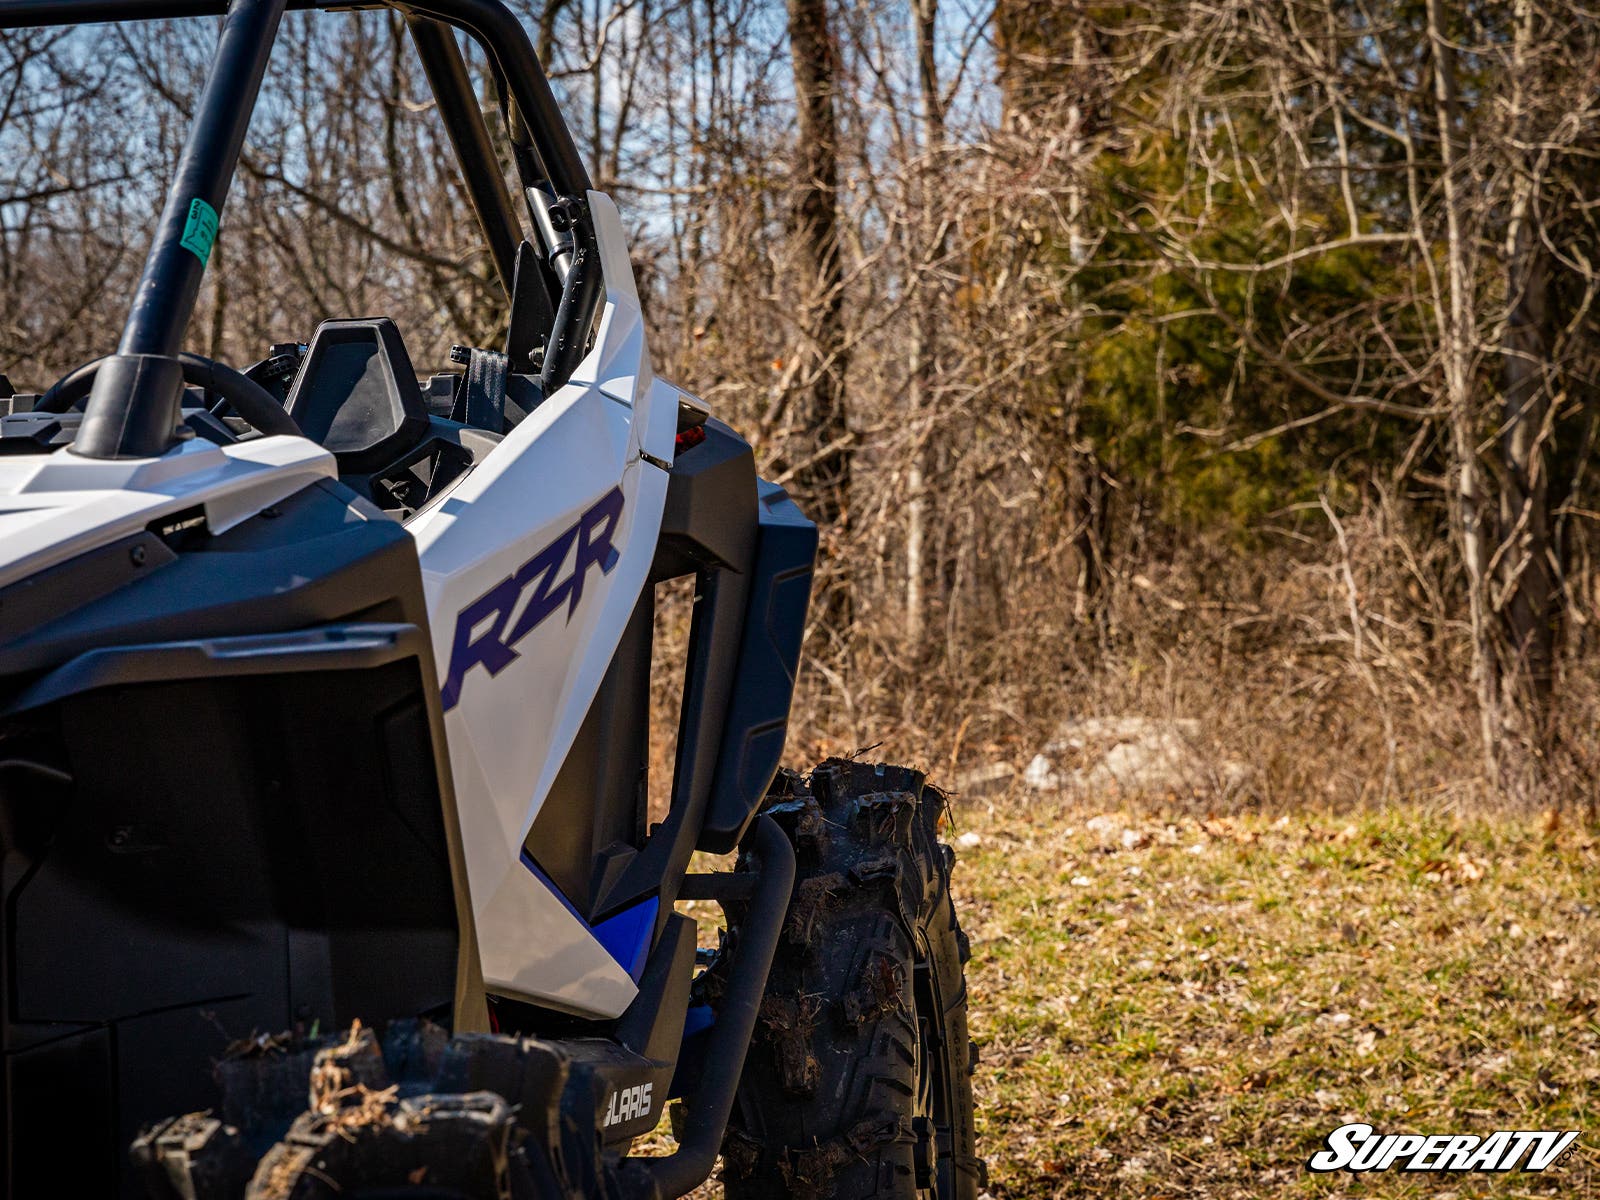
[249, 399]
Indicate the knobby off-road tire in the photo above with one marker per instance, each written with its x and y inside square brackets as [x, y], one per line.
[858, 1083]
[418, 1114]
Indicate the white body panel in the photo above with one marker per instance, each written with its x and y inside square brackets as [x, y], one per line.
[510, 731]
[54, 507]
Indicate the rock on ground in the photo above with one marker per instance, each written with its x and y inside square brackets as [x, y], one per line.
[1130, 755]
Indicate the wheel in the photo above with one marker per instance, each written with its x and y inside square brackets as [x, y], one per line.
[858, 1083]
[473, 1117]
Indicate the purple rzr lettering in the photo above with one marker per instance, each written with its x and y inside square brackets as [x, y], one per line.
[491, 613]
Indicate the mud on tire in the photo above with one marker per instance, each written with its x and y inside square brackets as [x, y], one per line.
[858, 1083]
[419, 1114]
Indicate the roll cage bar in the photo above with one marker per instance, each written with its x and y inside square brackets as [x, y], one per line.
[134, 407]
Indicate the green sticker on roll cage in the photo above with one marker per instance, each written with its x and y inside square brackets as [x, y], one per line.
[200, 230]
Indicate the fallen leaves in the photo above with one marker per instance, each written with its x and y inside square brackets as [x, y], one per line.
[1366, 1041]
[1223, 829]
[1464, 868]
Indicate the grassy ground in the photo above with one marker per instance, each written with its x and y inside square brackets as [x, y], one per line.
[1186, 1008]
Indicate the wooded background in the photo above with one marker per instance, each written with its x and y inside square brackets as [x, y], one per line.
[1221, 360]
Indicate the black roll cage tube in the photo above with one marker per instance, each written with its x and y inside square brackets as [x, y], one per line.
[133, 409]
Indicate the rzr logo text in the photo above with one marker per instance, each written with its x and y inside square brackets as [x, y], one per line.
[485, 631]
[1357, 1148]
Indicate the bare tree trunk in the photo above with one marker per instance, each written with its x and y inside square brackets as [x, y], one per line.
[823, 473]
[1526, 555]
[548, 15]
[923, 319]
[1472, 516]
[1086, 495]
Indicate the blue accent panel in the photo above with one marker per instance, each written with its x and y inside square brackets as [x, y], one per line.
[698, 1019]
[626, 936]
[697, 1023]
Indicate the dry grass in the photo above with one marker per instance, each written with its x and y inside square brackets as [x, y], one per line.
[1186, 1007]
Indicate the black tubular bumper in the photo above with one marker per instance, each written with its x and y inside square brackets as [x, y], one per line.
[706, 1109]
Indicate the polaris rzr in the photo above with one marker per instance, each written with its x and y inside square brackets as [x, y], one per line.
[324, 706]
